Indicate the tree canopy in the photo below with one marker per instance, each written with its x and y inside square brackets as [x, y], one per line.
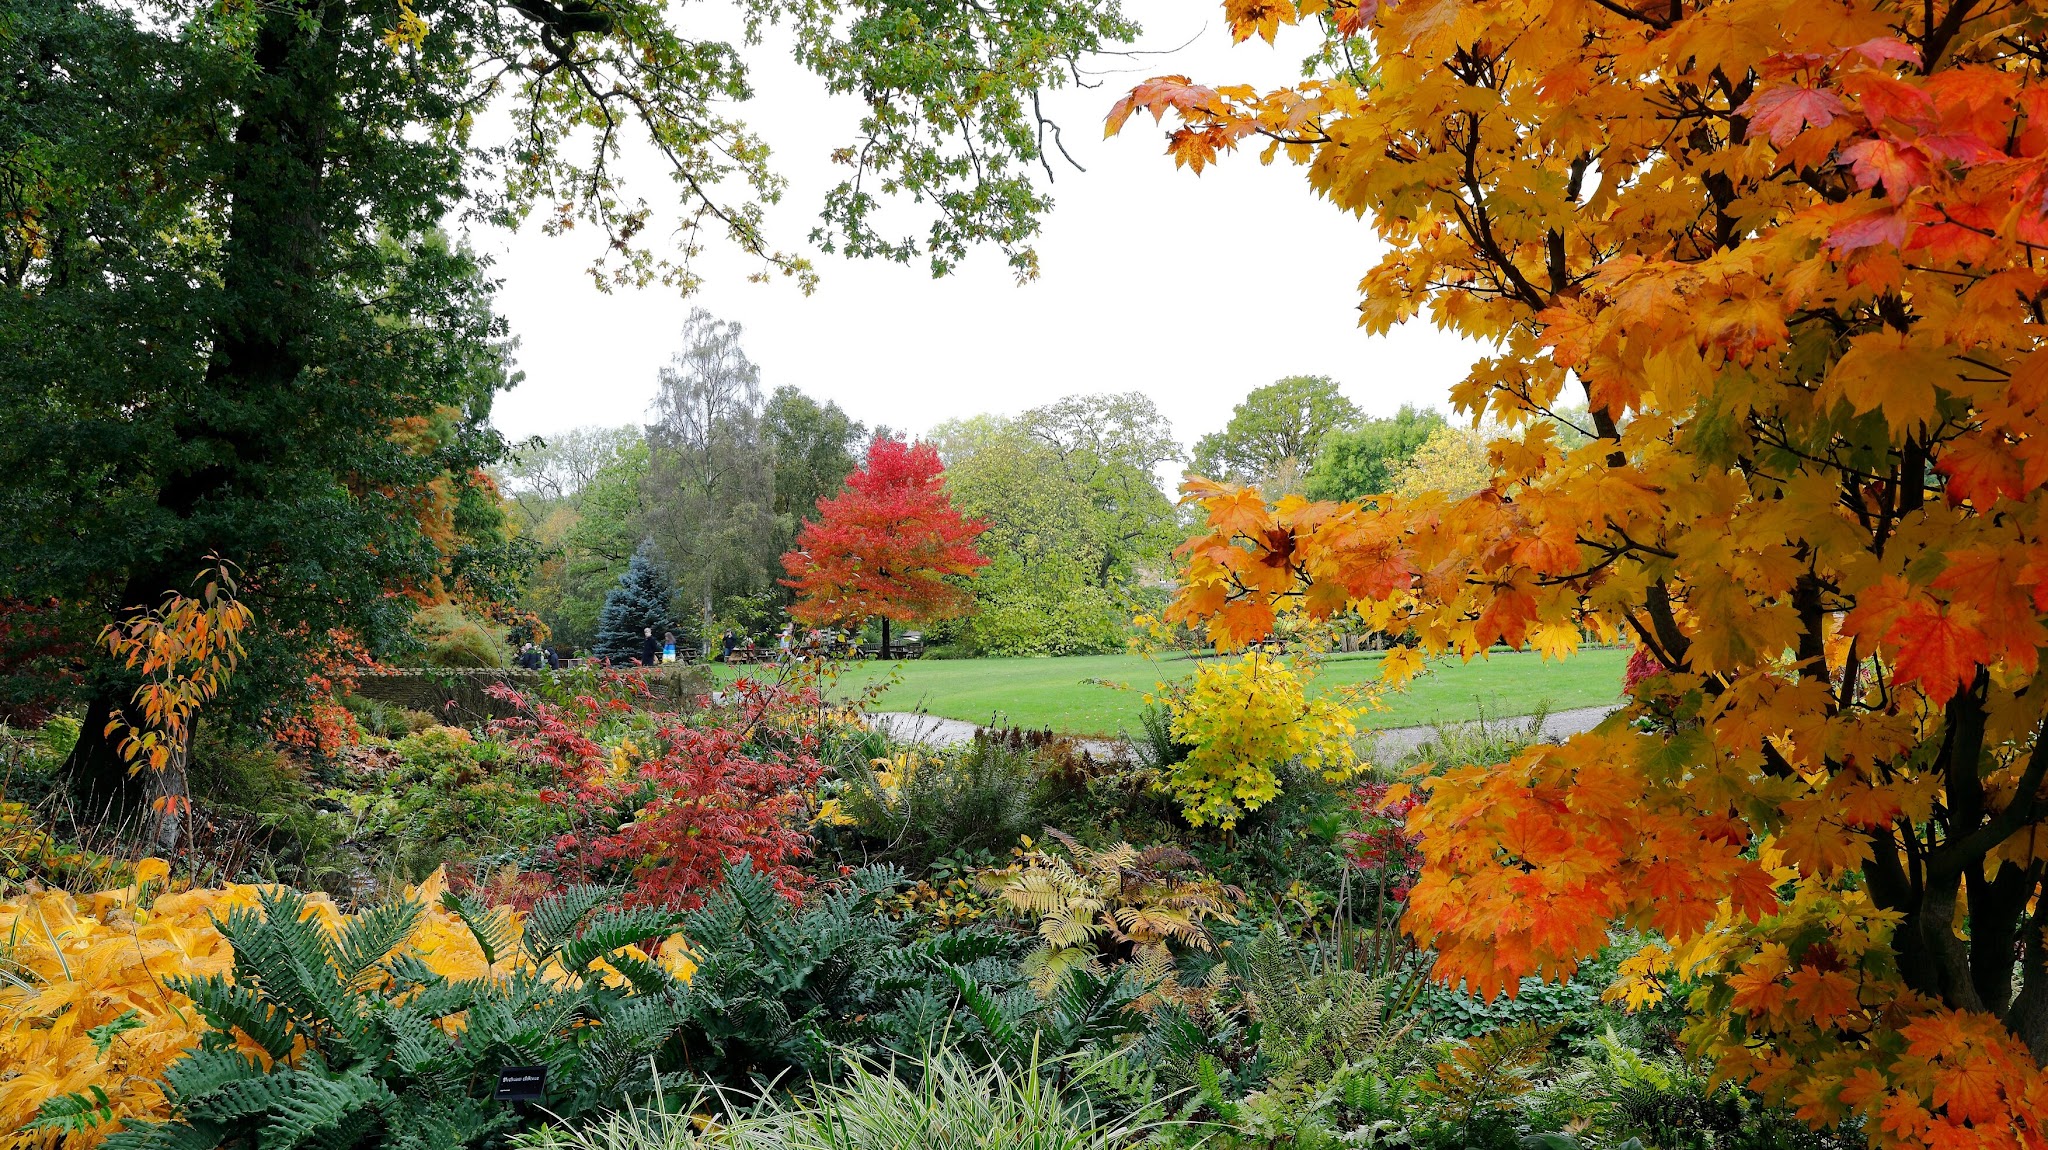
[1362, 460]
[1788, 256]
[1275, 434]
[1075, 519]
[885, 546]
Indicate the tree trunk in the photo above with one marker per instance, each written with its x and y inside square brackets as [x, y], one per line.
[103, 792]
[268, 302]
[885, 637]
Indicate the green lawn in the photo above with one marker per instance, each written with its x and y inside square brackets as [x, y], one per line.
[1062, 693]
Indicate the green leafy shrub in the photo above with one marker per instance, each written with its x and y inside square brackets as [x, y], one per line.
[917, 806]
[454, 639]
[57, 736]
[367, 1045]
[387, 720]
[441, 796]
[1020, 613]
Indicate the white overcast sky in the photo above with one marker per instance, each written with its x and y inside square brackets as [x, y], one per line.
[1191, 289]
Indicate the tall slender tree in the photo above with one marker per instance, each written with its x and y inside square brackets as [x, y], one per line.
[711, 475]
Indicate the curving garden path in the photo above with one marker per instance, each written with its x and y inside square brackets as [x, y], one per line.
[935, 731]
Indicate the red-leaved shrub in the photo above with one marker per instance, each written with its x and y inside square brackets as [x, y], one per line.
[671, 804]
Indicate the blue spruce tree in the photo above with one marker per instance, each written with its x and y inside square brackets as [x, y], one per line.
[641, 600]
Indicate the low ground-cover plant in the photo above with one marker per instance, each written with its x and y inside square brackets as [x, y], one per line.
[939, 1100]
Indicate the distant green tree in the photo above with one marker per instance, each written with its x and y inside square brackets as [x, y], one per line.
[1076, 519]
[1361, 460]
[641, 600]
[1274, 435]
[710, 487]
[1114, 445]
[814, 448]
[577, 499]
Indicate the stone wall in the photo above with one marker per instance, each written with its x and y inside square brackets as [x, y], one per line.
[460, 696]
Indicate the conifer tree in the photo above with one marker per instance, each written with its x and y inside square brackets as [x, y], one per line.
[640, 601]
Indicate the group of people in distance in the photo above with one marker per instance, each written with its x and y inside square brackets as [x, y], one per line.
[730, 644]
[534, 657]
[732, 648]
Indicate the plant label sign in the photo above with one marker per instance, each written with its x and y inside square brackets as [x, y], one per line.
[522, 1083]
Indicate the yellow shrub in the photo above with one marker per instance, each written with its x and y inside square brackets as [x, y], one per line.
[70, 966]
[83, 1003]
[1245, 719]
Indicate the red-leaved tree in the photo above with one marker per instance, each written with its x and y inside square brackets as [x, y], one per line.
[884, 546]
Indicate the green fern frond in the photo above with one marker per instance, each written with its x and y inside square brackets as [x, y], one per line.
[554, 919]
[610, 930]
[237, 1008]
[368, 937]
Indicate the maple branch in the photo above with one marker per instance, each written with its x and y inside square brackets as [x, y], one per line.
[1938, 36]
[1812, 654]
[1480, 224]
[2025, 808]
[1659, 23]
[1851, 665]
[1673, 638]
[1648, 636]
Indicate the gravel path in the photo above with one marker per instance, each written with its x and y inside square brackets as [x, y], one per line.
[934, 731]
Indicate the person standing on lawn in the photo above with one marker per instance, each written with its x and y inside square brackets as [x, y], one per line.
[650, 647]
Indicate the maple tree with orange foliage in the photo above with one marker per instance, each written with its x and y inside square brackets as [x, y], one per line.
[1788, 254]
[884, 546]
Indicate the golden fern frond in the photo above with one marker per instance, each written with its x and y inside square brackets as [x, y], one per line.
[1074, 924]
[1048, 965]
[1491, 1068]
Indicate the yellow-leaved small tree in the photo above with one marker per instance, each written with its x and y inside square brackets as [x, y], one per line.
[1246, 718]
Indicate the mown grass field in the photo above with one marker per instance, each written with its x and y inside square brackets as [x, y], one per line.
[1067, 695]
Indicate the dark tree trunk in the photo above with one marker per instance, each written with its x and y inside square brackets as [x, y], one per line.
[102, 790]
[885, 636]
[268, 305]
